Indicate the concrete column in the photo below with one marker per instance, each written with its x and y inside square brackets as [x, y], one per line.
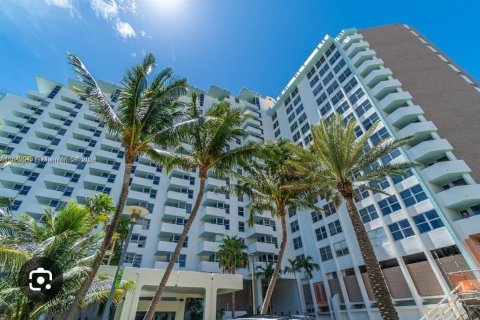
[314, 297]
[210, 303]
[301, 296]
[130, 303]
[180, 313]
[259, 293]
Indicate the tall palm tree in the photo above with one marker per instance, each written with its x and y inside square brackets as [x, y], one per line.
[307, 265]
[266, 273]
[65, 237]
[205, 147]
[232, 256]
[146, 114]
[272, 188]
[340, 163]
[294, 268]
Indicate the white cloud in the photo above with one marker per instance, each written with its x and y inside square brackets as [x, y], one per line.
[105, 9]
[124, 29]
[66, 4]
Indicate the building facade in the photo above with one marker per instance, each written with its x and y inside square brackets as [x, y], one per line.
[426, 227]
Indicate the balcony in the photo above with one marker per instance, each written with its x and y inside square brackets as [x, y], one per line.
[418, 131]
[177, 196]
[405, 115]
[138, 195]
[95, 179]
[174, 212]
[215, 183]
[84, 193]
[208, 212]
[460, 197]
[394, 100]
[163, 265]
[51, 194]
[253, 130]
[369, 65]
[258, 231]
[445, 171]
[170, 228]
[8, 193]
[175, 181]
[211, 229]
[261, 248]
[206, 247]
[165, 247]
[213, 196]
[377, 75]
[350, 40]
[356, 47]
[141, 181]
[385, 87]
[12, 177]
[208, 266]
[101, 166]
[253, 139]
[429, 150]
[361, 56]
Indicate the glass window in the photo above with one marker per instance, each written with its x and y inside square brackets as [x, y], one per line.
[379, 136]
[363, 107]
[367, 123]
[327, 78]
[344, 75]
[241, 226]
[329, 209]
[316, 216]
[356, 95]
[294, 226]
[314, 81]
[428, 221]
[397, 179]
[326, 253]
[350, 85]
[322, 98]
[389, 205]
[297, 242]
[326, 108]
[413, 195]
[321, 233]
[334, 227]
[378, 237]
[368, 214]
[401, 229]
[341, 248]
[337, 97]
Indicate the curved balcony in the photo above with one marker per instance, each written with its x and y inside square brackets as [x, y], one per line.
[211, 229]
[361, 56]
[177, 196]
[429, 150]
[460, 197]
[258, 230]
[165, 247]
[394, 100]
[350, 40]
[170, 228]
[356, 47]
[174, 212]
[445, 171]
[206, 247]
[208, 212]
[418, 131]
[385, 87]
[175, 181]
[367, 66]
[262, 247]
[403, 116]
[377, 75]
[215, 183]
[209, 266]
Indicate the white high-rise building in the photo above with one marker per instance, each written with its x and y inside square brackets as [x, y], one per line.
[427, 227]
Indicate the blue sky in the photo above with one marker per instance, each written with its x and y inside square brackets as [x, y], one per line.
[257, 44]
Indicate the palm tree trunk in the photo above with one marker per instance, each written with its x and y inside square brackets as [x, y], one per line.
[178, 248]
[375, 275]
[276, 272]
[233, 304]
[75, 307]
